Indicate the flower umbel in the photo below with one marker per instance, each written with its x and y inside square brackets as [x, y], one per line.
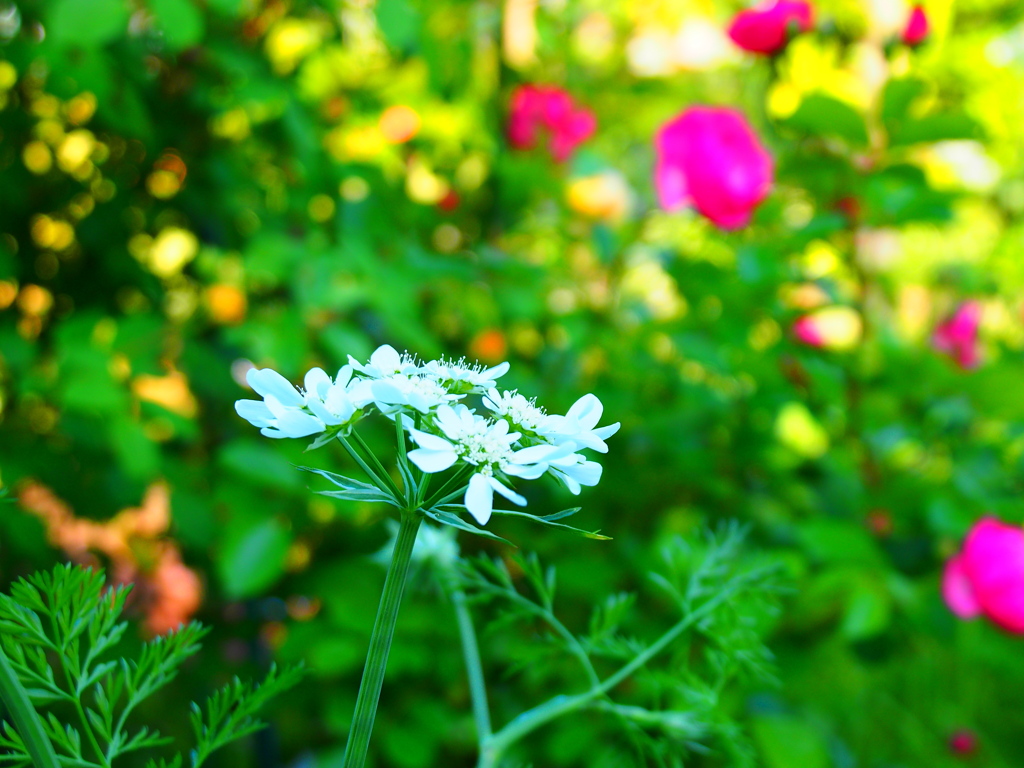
[512, 437]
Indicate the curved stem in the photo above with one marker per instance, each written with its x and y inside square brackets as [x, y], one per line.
[494, 747]
[25, 717]
[380, 642]
[471, 657]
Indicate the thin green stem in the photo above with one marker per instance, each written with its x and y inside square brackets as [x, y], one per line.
[494, 747]
[25, 717]
[471, 657]
[439, 497]
[381, 470]
[380, 643]
[383, 482]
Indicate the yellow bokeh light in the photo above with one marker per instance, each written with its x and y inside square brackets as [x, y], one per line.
[799, 431]
[170, 392]
[225, 303]
[423, 185]
[8, 75]
[354, 189]
[399, 124]
[321, 208]
[357, 144]
[81, 108]
[37, 157]
[170, 251]
[603, 196]
[233, 125]
[52, 233]
[290, 41]
[45, 105]
[472, 172]
[163, 185]
[74, 151]
[8, 292]
[34, 300]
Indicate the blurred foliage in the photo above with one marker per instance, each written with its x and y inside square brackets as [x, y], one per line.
[188, 188]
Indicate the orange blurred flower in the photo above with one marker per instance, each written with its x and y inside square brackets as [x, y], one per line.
[134, 541]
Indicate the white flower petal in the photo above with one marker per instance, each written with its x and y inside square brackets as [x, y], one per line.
[527, 472]
[296, 423]
[431, 461]
[321, 412]
[316, 383]
[386, 359]
[267, 381]
[496, 372]
[587, 411]
[508, 493]
[480, 498]
[255, 412]
[430, 442]
[340, 404]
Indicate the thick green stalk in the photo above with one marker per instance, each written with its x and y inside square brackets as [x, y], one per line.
[471, 657]
[25, 717]
[380, 642]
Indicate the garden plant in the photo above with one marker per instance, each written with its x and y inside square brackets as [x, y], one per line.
[706, 447]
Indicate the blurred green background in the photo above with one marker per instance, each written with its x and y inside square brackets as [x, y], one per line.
[190, 187]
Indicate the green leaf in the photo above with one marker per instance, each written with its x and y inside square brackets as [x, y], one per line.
[899, 95]
[549, 521]
[786, 742]
[399, 22]
[941, 127]
[87, 23]
[353, 490]
[253, 558]
[825, 116]
[868, 611]
[181, 21]
[445, 517]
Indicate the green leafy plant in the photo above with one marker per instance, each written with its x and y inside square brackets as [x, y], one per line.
[72, 698]
[667, 695]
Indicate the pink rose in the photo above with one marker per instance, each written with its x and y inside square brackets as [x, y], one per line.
[710, 158]
[916, 31]
[958, 336]
[538, 109]
[766, 28]
[987, 577]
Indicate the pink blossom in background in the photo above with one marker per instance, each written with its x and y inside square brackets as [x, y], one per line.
[916, 31]
[835, 328]
[541, 109]
[958, 336]
[987, 577]
[710, 158]
[766, 28]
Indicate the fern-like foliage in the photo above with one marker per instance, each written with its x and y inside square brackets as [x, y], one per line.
[670, 694]
[61, 630]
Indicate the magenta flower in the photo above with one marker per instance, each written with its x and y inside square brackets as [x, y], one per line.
[538, 109]
[958, 336]
[710, 158]
[987, 577]
[916, 31]
[766, 28]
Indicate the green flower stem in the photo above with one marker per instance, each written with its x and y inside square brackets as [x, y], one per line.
[382, 481]
[471, 657]
[494, 748]
[380, 642]
[25, 717]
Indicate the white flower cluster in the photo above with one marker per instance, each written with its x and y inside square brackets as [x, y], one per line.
[515, 438]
